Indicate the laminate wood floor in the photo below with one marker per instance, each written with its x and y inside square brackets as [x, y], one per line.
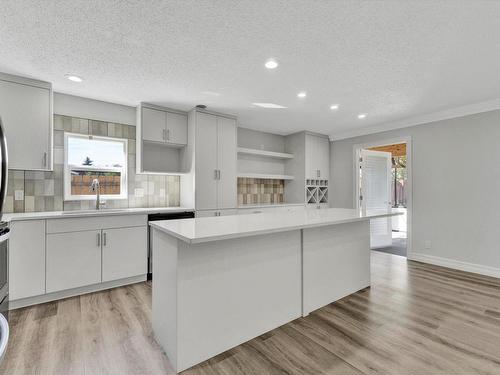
[415, 319]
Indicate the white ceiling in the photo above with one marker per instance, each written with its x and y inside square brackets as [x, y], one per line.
[393, 60]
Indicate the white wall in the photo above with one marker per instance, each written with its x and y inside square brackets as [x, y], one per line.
[249, 138]
[77, 106]
[456, 181]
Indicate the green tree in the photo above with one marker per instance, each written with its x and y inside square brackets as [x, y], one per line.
[87, 161]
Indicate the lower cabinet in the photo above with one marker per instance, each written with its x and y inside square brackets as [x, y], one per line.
[73, 260]
[26, 259]
[124, 253]
[56, 255]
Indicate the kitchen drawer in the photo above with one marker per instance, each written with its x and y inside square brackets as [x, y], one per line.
[95, 222]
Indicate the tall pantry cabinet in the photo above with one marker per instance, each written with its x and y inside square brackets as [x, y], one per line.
[310, 167]
[214, 150]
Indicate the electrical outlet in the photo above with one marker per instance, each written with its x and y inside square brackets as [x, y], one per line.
[427, 245]
[19, 195]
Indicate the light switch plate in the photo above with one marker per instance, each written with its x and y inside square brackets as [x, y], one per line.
[19, 195]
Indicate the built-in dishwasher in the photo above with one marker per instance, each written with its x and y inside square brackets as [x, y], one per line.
[158, 217]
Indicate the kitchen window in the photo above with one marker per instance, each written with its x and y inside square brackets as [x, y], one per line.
[91, 157]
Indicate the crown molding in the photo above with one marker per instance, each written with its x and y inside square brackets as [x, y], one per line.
[465, 110]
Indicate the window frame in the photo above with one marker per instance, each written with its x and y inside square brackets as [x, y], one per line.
[67, 170]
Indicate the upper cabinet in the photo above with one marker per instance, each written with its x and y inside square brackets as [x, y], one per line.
[26, 113]
[162, 136]
[317, 157]
[176, 128]
[154, 125]
[164, 127]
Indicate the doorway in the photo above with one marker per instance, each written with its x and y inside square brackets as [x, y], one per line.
[383, 180]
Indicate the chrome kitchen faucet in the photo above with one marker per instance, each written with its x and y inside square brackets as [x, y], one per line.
[96, 187]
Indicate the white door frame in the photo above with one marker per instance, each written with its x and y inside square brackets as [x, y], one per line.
[409, 191]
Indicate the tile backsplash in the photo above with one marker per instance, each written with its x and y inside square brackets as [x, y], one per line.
[256, 190]
[29, 191]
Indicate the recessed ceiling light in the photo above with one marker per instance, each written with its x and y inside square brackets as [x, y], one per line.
[334, 107]
[271, 64]
[268, 105]
[302, 94]
[362, 115]
[74, 78]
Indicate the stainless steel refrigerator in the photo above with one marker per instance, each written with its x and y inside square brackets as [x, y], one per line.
[4, 248]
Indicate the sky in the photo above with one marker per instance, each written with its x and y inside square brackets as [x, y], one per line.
[103, 153]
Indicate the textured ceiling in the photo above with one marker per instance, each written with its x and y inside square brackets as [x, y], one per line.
[390, 59]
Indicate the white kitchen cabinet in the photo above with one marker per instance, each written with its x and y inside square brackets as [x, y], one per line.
[26, 112]
[61, 254]
[215, 155]
[176, 128]
[206, 162]
[26, 259]
[227, 160]
[323, 152]
[73, 260]
[124, 253]
[311, 168]
[161, 140]
[211, 213]
[158, 125]
[153, 125]
[317, 157]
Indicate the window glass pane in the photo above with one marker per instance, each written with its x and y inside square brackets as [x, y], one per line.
[98, 153]
[109, 182]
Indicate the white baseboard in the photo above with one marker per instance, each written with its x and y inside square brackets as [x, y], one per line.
[16, 304]
[456, 264]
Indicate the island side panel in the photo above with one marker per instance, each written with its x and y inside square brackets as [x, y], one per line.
[164, 296]
[336, 263]
[231, 291]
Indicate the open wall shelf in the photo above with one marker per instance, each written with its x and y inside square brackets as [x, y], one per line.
[263, 153]
[266, 176]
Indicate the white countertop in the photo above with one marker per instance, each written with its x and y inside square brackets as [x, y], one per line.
[86, 213]
[263, 205]
[207, 229]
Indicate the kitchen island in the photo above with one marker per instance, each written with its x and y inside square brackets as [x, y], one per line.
[221, 281]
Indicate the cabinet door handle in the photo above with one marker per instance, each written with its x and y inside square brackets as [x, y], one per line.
[98, 239]
[168, 134]
[104, 239]
[163, 135]
[216, 174]
[44, 159]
